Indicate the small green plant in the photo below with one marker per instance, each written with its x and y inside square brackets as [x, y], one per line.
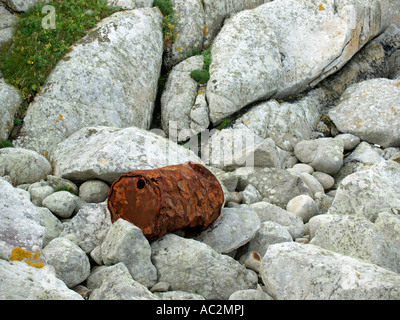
[169, 22]
[165, 6]
[201, 76]
[27, 60]
[5, 144]
[224, 123]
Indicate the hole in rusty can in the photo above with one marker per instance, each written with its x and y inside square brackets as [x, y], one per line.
[141, 184]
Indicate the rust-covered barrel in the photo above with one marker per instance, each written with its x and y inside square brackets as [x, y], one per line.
[160, 201]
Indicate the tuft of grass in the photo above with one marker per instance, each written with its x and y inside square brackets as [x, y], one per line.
[28, 59]
[165, 6]
[200, 76]
[169, 22]
[6, 144]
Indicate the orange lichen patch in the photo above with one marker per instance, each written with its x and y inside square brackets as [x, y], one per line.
[32, 259]
[398, 84]
[178, 48]
[321, 7]
[60, 118]
[205, 30]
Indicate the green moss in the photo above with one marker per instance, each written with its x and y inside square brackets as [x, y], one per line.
[169, 22]
[5, 144]
[201, 76]
[28, 59]
[224, 123]
[165, 6]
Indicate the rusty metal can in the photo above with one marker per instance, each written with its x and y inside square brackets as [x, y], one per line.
[160, 201]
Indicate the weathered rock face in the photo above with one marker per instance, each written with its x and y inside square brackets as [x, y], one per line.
[371, 111]
[358, 238]
[191, 266]
[89, 226]
[217, 11]
[325, 154]
[333, 32]
[7, 22]
[288, 220]
[285, 123]
[10, 101]
[278, 186]
[24, 166]
[178, 102]
[369, 63]
[126, 243]
[70, 262]
[190, 28]
[319, 274]
[115, 88]
[116, 283]
[369, 192]
[130, 4]
[106, 153]
[20, 222]
[19, 281]
[245, 67]
[20, 5]
[233, 229]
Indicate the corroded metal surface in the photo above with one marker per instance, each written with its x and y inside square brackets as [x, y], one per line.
[160, 201]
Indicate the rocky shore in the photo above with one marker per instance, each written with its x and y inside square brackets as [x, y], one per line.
[299, 121]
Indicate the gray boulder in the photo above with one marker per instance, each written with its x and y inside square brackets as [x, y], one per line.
[234, 228]
[105, 153]
[370, 110]
[246, 65]
[250, 294]
[115, 88]
[7, 23]
[19, 281]
[320, 274]
[317, 39]
[89, 226]
[285, 123]
[179, 295]
[69, 261]
[94, 191]
[190, 29]
[217, 11]
[358, 238]
[178, 101]
[10, 101]
[126, 243]
[53, 226]
[325, 154]
[20, 5]
[130, 4]
[277, 186]
[194, 267]
[269, 233]
[61, 203]
[369, 192]
[303, 206]
[389, 225]
[288, 220]
[24, 166]
[116, 283]
[20, 222]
